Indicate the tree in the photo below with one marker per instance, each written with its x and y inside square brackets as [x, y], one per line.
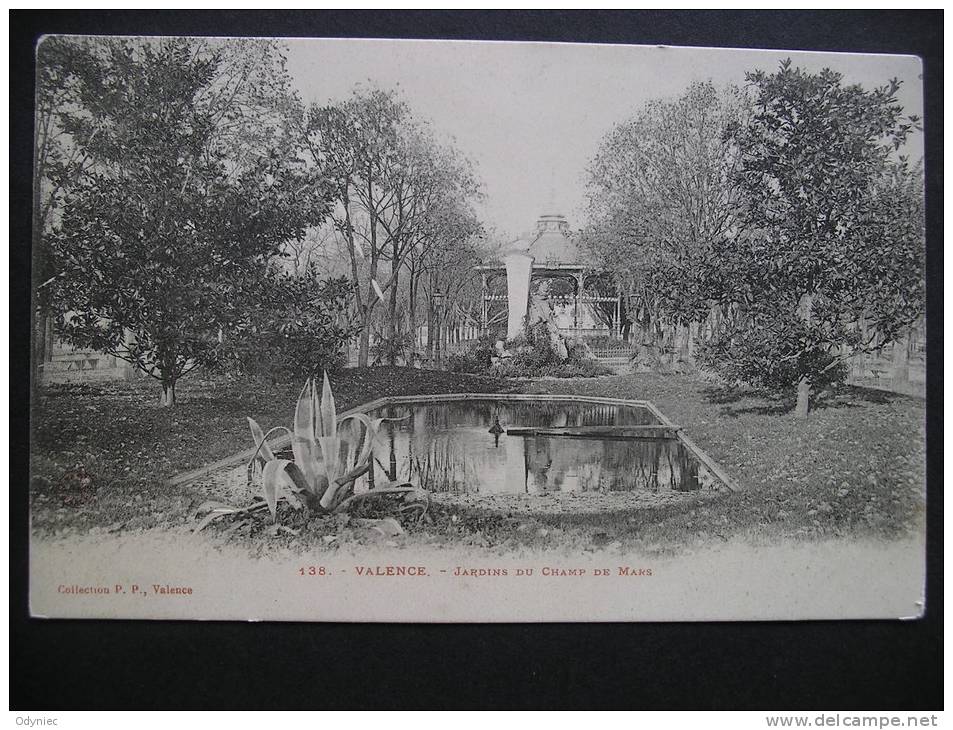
[438, 223]
[395, 188]
[296, 327]
[828, 261]
[660, 193]
[56, 163]
[59, 62]
[445, 262]
[355, 144]
[195, 182]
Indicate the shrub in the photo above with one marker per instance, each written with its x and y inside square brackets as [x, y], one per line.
[484, 351]
[464, 362]
[534, 356]
[582, 369]
[568, 369]
[771, 357]
[476, 359]
[294, 326]
[391, 349]
[533, 352]
[600, 341]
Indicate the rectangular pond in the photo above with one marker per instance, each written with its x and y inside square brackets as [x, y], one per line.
[465, 447]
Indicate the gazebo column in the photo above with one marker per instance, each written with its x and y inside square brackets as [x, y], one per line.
[483, 312]
[578, 276]
[618, 316]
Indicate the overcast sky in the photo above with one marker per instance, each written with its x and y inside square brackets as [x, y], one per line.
[530, 115]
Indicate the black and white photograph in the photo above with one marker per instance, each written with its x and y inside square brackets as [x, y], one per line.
[471, 331]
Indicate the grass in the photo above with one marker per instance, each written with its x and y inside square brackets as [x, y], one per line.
[116, 436]
[854, 468]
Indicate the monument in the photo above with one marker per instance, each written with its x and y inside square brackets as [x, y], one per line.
[549, 254]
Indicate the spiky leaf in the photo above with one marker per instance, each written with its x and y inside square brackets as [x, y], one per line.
[330, 448]
[216, 510]
[370, 431]
[264, 450]
[328, 413]
[277, 484]
[331, 452]
[303, 443]
[212, 505]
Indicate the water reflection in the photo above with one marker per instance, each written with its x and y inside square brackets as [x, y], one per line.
[449, 447]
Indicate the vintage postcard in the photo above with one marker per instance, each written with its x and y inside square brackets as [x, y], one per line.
[372, 330]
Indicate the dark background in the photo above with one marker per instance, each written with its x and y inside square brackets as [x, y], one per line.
[58, 664]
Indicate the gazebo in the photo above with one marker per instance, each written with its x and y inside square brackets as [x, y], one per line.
[549, 254]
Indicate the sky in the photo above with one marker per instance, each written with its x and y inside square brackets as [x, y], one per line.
[531, 115]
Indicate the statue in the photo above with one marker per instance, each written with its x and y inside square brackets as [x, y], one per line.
[541, 310]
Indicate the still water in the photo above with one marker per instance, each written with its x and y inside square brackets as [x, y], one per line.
[448, 447]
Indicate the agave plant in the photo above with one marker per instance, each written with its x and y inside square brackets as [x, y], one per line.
[327, 461]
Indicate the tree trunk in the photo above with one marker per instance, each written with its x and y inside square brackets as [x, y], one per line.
[363, 348]
[803, 405]
[362, 308]
[393, 327]
[167, 399]
[901, 363]
[683, 356]
[375, 254]
[412, 305]
[430, 330]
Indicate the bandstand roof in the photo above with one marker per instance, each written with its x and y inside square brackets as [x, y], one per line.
[550, 243]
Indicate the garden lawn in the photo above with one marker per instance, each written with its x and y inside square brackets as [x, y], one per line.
[854, 468]
[118, 437]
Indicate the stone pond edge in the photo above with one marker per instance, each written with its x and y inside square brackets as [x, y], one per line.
[283, 441]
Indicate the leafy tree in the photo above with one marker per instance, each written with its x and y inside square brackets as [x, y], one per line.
[297, 326]
[434, 217]
[60, 61]
[444, 261]
[828, 259]
[355, 143]
[398, 194]
[661, 192]
[195, 182]
[56, 163]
